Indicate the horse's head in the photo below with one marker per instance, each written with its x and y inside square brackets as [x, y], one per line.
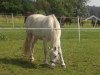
[54, 56]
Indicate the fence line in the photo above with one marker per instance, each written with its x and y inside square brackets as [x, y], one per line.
[78, 27]
[49, 28]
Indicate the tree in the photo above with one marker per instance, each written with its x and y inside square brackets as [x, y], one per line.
[62, 7]
[15, 6]
[80, 7]
[57, 7]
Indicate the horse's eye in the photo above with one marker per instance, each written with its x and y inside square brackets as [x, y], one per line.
[54, 48]
[55, 56]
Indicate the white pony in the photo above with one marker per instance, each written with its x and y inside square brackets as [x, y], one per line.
[51, 34]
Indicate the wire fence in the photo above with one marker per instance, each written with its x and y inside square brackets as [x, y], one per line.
[11, 22]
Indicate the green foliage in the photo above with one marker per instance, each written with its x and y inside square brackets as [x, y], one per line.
[11, 6]
[15, 6]
[63, 7]
[58, 7]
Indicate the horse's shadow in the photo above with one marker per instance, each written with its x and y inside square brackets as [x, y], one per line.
[20, 62]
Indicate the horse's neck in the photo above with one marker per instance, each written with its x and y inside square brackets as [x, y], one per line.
[55, 43]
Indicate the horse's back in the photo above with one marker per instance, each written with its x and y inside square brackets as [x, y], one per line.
[41, 21]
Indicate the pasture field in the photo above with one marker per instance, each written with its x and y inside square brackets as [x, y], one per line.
[7, 21]
[81, 58]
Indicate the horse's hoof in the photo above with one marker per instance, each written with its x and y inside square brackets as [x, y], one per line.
[31, 60]
[52, 65]
[46, 63]
[64, 66]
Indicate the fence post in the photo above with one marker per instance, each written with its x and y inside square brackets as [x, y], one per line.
[79, 28]
[12, 19]
[6, 19]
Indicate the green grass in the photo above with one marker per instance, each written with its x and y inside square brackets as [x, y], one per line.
[81, 58]
[7, 22]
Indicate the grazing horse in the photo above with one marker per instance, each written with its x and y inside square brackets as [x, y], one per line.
[94, 23]
[98, 23]
[66, 20]
[47, 28]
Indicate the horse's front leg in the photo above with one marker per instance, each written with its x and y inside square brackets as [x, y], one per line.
[45, 51]
[61, 56]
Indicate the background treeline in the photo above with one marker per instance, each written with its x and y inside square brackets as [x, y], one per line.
[58, 7]
[93, 10]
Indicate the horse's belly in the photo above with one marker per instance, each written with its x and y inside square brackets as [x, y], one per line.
[42, 33]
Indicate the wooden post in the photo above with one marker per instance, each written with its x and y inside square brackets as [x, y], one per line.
[79, 28]
[12, 19]
[6, 19]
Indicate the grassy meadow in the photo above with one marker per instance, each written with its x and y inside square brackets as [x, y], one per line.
[81, 58]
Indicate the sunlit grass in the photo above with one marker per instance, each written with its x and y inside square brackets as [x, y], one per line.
[81, 58]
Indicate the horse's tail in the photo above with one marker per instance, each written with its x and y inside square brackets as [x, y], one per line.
[25, 46]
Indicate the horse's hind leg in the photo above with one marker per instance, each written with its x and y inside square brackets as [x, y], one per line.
[45, 51]
[32, 43]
